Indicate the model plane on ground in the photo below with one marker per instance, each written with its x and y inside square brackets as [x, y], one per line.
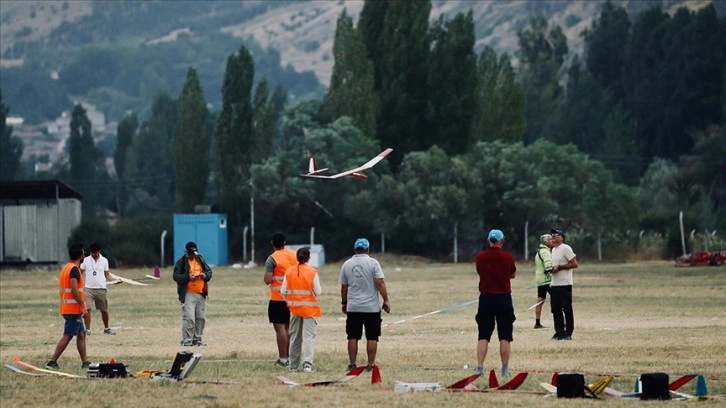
[464, 385]
[324, 383]
[314, 172]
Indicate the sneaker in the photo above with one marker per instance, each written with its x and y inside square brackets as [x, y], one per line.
[351, 367]
[52, 365]
[281, 363]
[369, 367]
[292, 369]
[199, 343]
[539, 326]
[556, 337]
[308, 367]
[186, 343]
[88, 332]
[479, 370]
[108, 330]
[85, 365]
[566, 337]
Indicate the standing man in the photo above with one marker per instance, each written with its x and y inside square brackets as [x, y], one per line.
[95, 268]
[277, 312]
[361, 280]
[495, 268]
[300, 289]
[72, 308]
[542, 275]
[563, 262]
[191, 274]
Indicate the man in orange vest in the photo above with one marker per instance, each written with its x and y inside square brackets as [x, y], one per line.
[191, 274]
[300, 289]
[72, 308]
[277, 311]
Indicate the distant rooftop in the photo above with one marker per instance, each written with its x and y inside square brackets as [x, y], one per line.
[36, 189]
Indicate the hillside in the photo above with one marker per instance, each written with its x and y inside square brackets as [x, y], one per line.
[145, 46]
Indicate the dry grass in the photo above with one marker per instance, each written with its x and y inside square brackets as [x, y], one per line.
[630, 319]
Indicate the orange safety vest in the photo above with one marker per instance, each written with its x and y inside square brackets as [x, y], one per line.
[301, 300]
[284, 258]
[195, 268]
[68, 304]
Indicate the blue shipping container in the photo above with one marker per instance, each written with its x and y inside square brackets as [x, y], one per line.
[208, 231]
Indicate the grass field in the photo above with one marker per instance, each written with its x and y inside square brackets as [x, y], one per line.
[629, 318]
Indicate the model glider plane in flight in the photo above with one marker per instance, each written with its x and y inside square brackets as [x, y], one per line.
[314, 172]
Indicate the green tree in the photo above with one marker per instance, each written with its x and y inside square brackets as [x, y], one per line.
[124, 137]
[11, 147]
[149, 169]
[351, 90]
[86, 164]
[190, 145]
[263, 122]
[605, 47]
[370, 25]
[234, 137]
[542, 49]
[501, 112]
[402, 92]
[452, 84]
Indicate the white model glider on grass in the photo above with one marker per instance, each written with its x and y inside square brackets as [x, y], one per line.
[314, 172]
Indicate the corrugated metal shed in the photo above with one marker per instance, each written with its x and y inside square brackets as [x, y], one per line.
[37, 217]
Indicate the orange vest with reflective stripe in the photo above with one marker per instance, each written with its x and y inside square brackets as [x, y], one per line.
[284, 258]
[301, 300]
[68, 304]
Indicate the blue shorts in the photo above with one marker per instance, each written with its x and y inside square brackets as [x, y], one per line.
[74, 325]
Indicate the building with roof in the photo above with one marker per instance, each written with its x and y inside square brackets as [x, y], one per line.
[37, 217]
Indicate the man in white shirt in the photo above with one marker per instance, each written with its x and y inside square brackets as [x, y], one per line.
[95, 268]
[563, 262]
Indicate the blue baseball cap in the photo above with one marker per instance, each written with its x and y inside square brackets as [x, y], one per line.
[496, 235]
[361, 243]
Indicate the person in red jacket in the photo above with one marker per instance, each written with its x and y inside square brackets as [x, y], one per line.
[300, 289]
[72, 307]
[495, 268]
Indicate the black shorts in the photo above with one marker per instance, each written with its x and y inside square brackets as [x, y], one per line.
[357, 320]
[542, 291]
[499, 309]
[278, 312]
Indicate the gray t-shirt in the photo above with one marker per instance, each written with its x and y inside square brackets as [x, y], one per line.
[360, 273]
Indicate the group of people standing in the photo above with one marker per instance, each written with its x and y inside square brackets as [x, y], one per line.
[293, 307]
[554, 263]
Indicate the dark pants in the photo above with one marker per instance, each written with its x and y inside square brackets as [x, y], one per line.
[562, 316]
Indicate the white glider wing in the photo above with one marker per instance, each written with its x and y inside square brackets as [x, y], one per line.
[315, 173]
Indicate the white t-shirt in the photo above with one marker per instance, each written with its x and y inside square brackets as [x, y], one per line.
[360, 273]
[561, 255]
[95, 271]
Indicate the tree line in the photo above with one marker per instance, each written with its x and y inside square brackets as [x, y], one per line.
[606, 144]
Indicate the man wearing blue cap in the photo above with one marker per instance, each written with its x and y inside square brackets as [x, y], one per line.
[495, 268]
[361, 280]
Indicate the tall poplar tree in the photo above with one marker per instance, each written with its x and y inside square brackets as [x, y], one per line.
[351, 90]
[87, 168]
[501, 106]
[452, 84]
[234, 137]
[124, 137]
[542, 50]
[263, 122]
[190, 145]
[370, 26]
[405, 48]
